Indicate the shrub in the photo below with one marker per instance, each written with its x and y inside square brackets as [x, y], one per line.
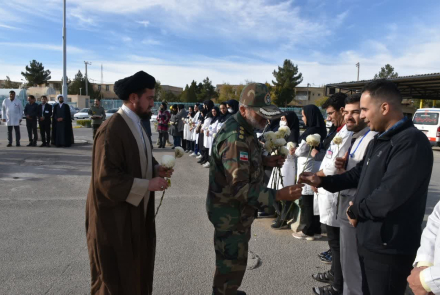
[84, 123]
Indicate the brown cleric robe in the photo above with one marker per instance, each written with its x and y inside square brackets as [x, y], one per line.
[120, 227]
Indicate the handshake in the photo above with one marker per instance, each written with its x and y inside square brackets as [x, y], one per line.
[292, 193]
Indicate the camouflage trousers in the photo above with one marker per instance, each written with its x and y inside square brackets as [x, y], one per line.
[231, 253]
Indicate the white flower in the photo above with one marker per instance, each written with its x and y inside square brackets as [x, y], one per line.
[313, 140]
[214, 135]
[168, 161]
[283, 131]
[269, 146]
[269, 135]
[178, 152]
[337, 140]
[279, 142]
[291, 145]
[284, 151]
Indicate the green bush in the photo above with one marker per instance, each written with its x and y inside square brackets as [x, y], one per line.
[84, 123]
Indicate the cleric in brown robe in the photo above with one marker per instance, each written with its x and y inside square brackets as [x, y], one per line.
[120, 227]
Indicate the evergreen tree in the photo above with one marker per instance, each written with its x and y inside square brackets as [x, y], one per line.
[386, 72]
[207, 90]
[287, 78]
[168, 96]
[35, 74]
[158, 92]
[80, 82]
[228, 92]
[192, 92]
[184, 95]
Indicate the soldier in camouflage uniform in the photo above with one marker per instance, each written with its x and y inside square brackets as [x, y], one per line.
[236, 188]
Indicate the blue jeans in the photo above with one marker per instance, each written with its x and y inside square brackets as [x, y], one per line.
[177, 140]
[196, 149]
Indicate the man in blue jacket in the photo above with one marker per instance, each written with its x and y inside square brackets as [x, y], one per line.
[392, 186]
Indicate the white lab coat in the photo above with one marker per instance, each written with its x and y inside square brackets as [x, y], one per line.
[213, 129]
[205, 129]
[327, 201]
[196, 121]
[288, 171]
[312, 166]
[427, 255]
[12, 111]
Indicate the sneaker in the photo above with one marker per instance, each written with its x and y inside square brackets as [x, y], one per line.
[265, 215]
[199, 156]
[301, 236]
[327, 259]
[317, 236]
[325, 253]
[326, 290]
[207, 165]
[192, 155]
[31, 144]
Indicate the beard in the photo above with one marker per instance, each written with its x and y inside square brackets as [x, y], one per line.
[254, 123]
[144, 115]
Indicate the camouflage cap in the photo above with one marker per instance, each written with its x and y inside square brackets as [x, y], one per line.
[257, 96]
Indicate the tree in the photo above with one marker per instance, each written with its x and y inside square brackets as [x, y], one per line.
[206, 90]
[228, 92]
[168, 96]
[386, 72]
[184, 95]
[320, 101]
[79, 82]
[192, 92]
[158, 90]
[35, 74]
[9, 84]
[287, 78]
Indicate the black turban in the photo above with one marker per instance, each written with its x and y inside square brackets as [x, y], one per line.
[133, 84]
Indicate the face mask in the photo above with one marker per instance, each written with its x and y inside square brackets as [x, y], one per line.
[230, 110]
[283, 123]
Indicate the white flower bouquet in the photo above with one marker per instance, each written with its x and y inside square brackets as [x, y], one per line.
[168, 161]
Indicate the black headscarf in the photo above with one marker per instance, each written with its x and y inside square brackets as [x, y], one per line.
[209, 104]
[293, 124]
[233, 104]
[274, 125]
[315, 122]
[217, 117]
[192, 114]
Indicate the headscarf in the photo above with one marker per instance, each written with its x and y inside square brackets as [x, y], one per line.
[209, 105]
[274, 125]
[217, 117]
[192, 114]
[233, 104]
[293, 124]
[315, 122]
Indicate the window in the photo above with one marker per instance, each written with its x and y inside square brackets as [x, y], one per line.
[426, 118]
[99, 87]
[319, 94]
[107, 87]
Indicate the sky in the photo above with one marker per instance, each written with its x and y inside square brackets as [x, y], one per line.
[229, 41]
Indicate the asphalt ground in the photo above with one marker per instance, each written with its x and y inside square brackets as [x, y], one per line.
[43, 248]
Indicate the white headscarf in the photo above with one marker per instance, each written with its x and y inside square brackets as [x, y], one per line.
[58, 98]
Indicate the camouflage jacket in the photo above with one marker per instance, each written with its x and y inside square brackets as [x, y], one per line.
[236, 187]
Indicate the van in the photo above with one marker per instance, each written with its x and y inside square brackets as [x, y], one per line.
[427, 121]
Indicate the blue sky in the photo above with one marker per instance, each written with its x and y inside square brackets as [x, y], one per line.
[230, 41]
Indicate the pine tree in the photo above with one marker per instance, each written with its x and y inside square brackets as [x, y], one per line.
[35, 74]
[386, 72]
[287, 78]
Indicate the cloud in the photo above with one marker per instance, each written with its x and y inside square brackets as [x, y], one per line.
[150, 42]
[126, 39]
[8, 27]
[43, 46]
[145, 23]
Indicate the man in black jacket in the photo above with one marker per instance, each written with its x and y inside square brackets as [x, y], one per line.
[392, 186]
[44, 117]
[30, 111]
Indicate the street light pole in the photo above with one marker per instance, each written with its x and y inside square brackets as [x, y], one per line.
[64, 90]
[358, 65]
[308, 84]
[80, 91]
[87, 88]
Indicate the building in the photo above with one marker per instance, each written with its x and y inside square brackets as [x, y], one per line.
[173, 89]
[308, 95]
[107, 90]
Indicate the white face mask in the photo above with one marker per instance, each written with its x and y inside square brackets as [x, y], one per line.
[230, 110]
[283, 123]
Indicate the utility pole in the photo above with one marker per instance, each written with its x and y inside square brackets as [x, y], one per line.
[308, 84]
[87, 88]
[80, 91]
[358, 65]
[64, 90]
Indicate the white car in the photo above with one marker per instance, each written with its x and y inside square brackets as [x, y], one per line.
[153, 118]
[82, 114]
[427, 121]
[110, 113]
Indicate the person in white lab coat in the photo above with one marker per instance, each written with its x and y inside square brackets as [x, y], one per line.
[425, 277]
[12, 114]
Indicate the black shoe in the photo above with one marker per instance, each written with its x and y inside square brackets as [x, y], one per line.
[203, 163]
[31, 144]
[43, 144]
[326, 290]
[280, 224]
[18, 144]
[324, 277]
[9, 145]
[241, 293]
[201, 160]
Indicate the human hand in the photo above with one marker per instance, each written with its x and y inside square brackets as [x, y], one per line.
[273, 161]
[340, 163]
[4, 120]
[164, 172]
[310, 179]
[42, 118]
[414, 281]
[292, 151]
[314, 152]
[353, 222]
[157, 184]
[289, 193]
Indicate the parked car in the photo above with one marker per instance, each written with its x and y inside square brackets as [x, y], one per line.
[82, 114]
[110, 112]
[427, 121]
[153, 115]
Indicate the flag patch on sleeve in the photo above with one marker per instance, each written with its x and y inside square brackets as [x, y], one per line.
[244, 156]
